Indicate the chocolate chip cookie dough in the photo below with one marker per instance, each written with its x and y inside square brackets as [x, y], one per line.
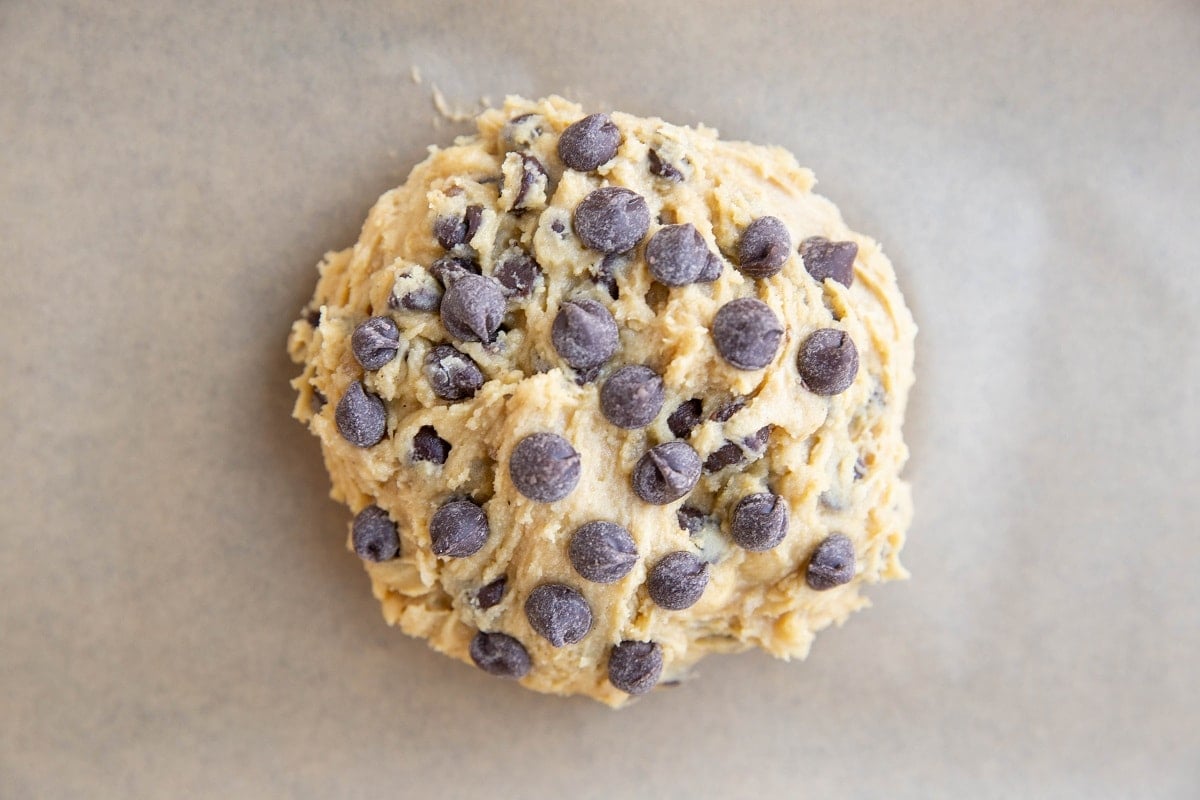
[606, 395]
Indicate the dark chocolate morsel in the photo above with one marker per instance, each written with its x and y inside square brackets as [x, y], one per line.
[632, 397]
[760, 521]
[458, 529]
[374, 535]
[584, 333]
[763, 248]
[558, 613]
[666, 473]
[747, 333]
[724, 456]
[757, 441]
[428, 446]
[473, 308]
[452, 375]
[313, 317]
[678, 580]
[677, 255]
[825, 259]
[663, 168]
[500, 654]
[375, 342]
[603, 552]
[448, 269]
[713, 267]
[361, 416]
[691, 519]
[544, 467]
[612, 219]
[450, 231]
[685, 418]
[473, 219]
[492, 593]
[726, 411]
[635, 667]
[832, 564]
[532, 172]
[828, 361]
[588, 143]
[426, 298]
[517, 273]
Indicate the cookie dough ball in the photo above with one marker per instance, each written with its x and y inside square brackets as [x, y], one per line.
[606, 395]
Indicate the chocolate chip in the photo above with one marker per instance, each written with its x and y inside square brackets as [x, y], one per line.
[452, 375]
[603, 552]
[760, 521]
[473, 308]
[825, 259]
[663, 168]
[448, 269]
[606, 274]
[500, 654]
[747, 333]
[313, 317]
[421, 299]
[584, 333]
[666, 473]
[558, 613]
[832, 563]
[492, 593]
[558, 226]
[374, 535]
[677, 254]
[544, 467]
[517, 273]
[677, 581]
[450, 231]
[685, 418]
[458, 529]
[724, 456]
[532, 174]
[713, 267]
[632, 397]
[763, 248]
[757, 441]
[828, 361]
[612, 219]
[588, 143]
[428, 446]
[361, 416]
[691, 519]
[726, 411]
[473, 219]
[635, 667]
[375, 342]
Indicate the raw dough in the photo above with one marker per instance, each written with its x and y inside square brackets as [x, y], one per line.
[504, 197]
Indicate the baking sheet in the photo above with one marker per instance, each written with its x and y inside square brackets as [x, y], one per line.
[178, 615]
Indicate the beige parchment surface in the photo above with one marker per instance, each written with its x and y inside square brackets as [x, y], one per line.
[178, 617]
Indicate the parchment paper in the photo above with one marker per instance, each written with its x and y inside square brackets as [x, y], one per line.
[178, 617]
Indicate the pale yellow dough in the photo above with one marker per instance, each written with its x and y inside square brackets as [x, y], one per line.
[753, 599]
